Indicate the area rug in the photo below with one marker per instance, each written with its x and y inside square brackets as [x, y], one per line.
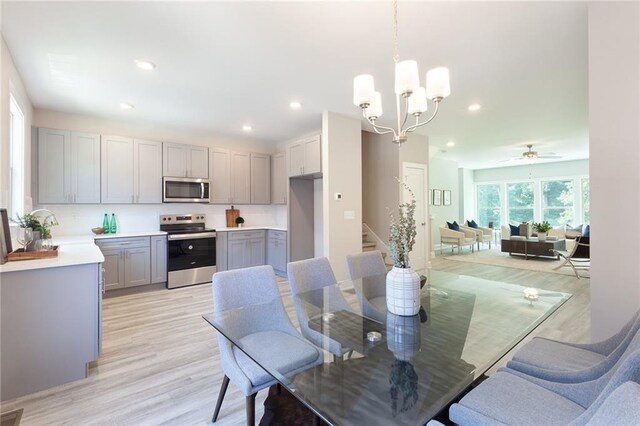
[494, 257]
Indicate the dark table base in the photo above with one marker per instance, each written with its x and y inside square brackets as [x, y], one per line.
[283, 409]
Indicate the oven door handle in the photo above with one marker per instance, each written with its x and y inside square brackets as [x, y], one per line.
[201, 189]
[198, 235]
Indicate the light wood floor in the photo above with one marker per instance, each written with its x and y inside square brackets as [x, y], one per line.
[160, 361]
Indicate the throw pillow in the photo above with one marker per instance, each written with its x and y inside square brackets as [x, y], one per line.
[453, 226]
[472, 224]
[515, 230]
[587, 231]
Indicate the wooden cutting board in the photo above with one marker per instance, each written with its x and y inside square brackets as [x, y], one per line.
[232, 214]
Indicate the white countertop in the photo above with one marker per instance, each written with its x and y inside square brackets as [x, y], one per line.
[70, 254]
[151, 233]
[254, 228]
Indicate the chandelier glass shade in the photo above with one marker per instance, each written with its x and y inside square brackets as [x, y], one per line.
[411, 98]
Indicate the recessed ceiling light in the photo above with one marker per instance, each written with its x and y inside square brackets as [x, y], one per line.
[474, 107]
[450, 144]
[295, 105]
[247, 128]
[145, 65]
[126, 106]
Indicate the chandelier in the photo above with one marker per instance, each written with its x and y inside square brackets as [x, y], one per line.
[407, 87]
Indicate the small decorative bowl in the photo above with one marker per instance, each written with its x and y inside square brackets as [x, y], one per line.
[97, 231]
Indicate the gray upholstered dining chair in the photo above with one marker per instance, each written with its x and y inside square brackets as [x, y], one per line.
[509, 397]
[552, 359]
[266, 330]
[315, 278]
[371, 295]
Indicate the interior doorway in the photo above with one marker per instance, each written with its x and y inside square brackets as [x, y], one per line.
[415, 176]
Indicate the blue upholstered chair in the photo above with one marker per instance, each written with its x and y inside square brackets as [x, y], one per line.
[512, 397]
[372, 296]
[315, 278]
[266, 330]
[561, 361]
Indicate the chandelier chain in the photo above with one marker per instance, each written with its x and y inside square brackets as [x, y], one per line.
[396, 55]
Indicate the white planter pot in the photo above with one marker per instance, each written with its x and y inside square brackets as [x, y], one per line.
[403, 291]
[542, 236]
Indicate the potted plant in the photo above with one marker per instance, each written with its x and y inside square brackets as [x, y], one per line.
[403, 284]
[541, 229]
[239, 221]
[41, 229]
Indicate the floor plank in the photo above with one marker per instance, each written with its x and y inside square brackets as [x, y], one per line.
[160, 362]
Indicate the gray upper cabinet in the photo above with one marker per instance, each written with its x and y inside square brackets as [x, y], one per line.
[180, 160]
[220, 172]
[68, 167]
[147, 171]
[279, 178]
[158, 259]
[260, 178]
[305, 157]
[240, 177]
[117, 170]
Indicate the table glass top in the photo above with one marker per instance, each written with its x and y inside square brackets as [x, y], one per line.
[420, 364]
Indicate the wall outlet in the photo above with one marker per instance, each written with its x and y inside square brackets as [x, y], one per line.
[337, 196]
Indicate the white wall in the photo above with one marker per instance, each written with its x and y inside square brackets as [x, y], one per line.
[341, 172]
[79, 219]
[533, 171]
[443, 174]
[467, 198]
[614, 143]
[11, 82]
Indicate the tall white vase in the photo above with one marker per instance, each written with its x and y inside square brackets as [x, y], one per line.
[403, 291]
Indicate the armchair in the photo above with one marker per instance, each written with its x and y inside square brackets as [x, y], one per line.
[460, 238]
[483, 235]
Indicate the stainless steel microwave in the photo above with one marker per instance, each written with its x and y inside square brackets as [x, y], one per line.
[185, 190]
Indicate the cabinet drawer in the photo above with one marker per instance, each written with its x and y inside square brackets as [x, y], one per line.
[133, 242]
[245, 235]
[279, 235]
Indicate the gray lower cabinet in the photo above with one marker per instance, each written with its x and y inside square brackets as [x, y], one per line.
[159, 259]
[127, 261]
[243, 249]
[277, 251]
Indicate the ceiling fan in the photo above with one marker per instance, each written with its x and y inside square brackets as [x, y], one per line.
[530, 155]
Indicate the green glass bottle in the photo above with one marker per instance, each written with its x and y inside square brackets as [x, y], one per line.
[105, 223]
[113, 227]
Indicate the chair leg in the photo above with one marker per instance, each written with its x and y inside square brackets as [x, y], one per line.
[251, 409]
[223, 390]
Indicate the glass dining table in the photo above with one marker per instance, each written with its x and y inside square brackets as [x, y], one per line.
[401, 370]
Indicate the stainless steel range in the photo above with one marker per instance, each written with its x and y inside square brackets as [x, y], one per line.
[191, 249]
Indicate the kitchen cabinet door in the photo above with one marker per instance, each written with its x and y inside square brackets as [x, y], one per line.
[198, 162]
[53, 177]
[279, 178]
[296, 158]
[113, 268]
[137, 267]
[158, 259]
[84, 165]
[175, 159]
[240, 178]
[312, 156]
[147, 171]
[277, 250]
[220, 172]
[260, 174]
[117, 170]
[237, 254]
[256, 249]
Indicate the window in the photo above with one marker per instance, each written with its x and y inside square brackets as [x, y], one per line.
[586, 217]
[16, 141]
[489, 205]
[557, 202]
[520, 202]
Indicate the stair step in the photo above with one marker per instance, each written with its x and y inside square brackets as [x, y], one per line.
[368, 244]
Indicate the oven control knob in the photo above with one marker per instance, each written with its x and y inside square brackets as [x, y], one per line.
[190, 247]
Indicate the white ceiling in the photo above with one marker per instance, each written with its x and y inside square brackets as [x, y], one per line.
[221, 65]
